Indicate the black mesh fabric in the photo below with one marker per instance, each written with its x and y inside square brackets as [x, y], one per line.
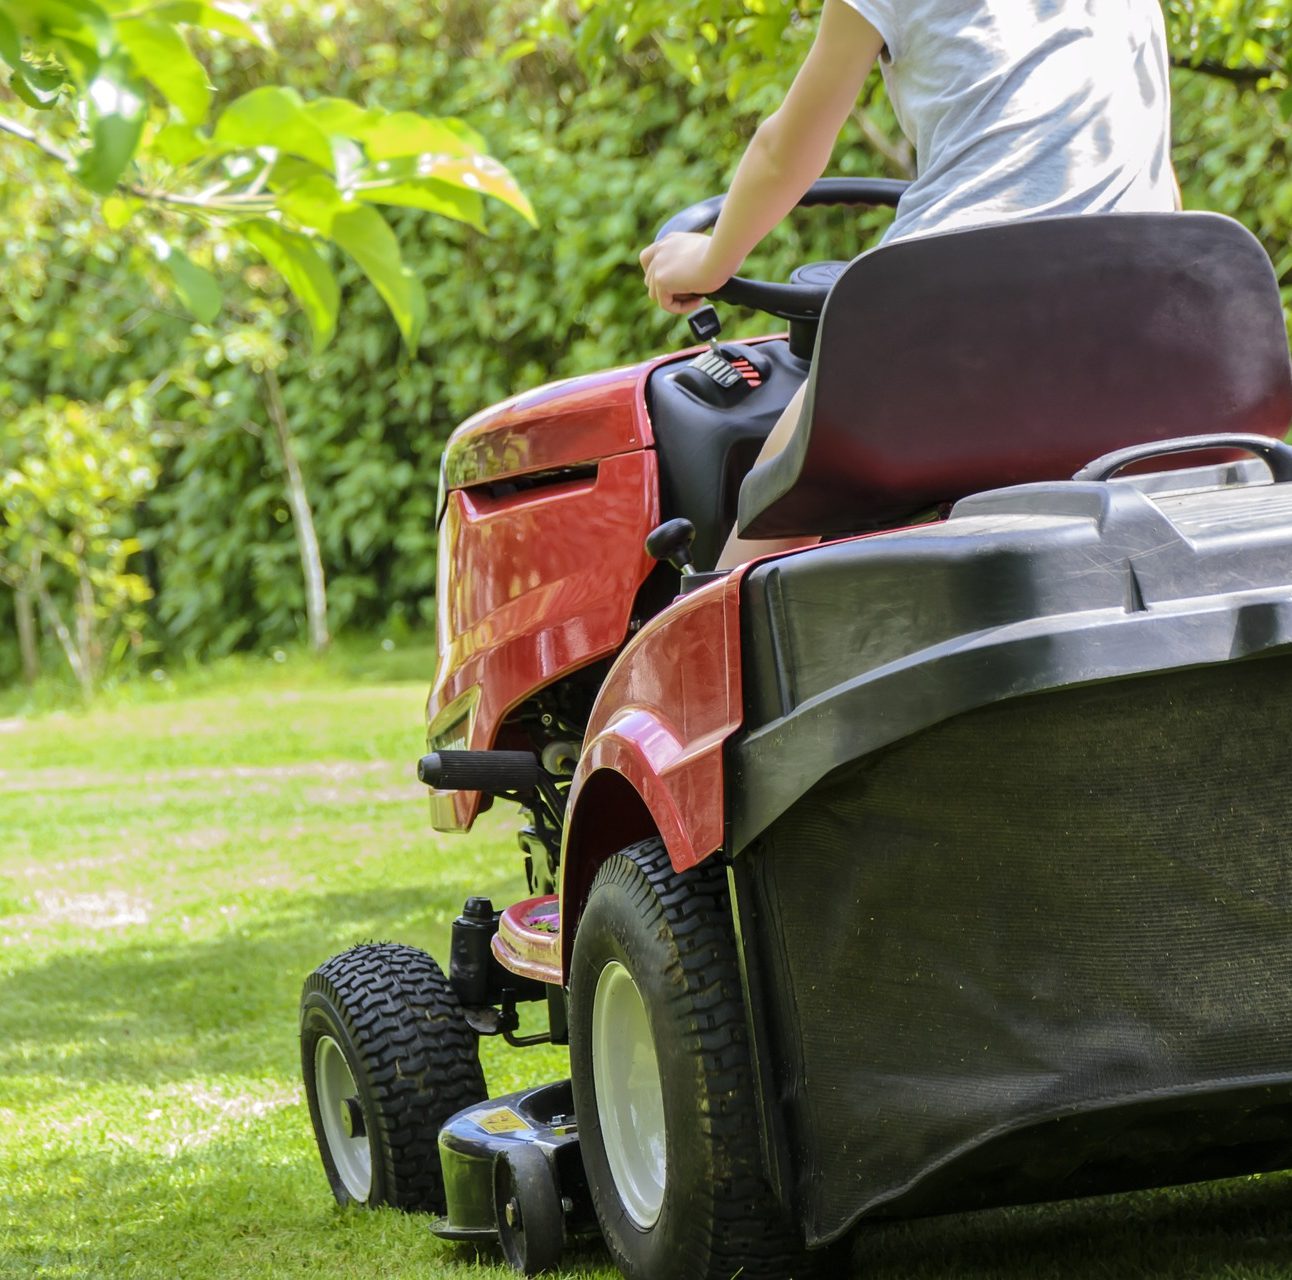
[1049, 907]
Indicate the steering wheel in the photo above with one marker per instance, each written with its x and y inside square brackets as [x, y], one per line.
[803, 298]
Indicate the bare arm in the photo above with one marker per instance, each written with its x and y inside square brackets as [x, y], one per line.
[789, 151]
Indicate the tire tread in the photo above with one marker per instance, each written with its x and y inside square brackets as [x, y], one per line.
[420, 1059]
[742, 1229]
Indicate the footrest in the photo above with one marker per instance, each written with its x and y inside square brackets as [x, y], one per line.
[528, 941]
[493, 772]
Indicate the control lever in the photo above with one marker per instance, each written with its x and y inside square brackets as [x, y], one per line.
[672, 541]
[706, 326]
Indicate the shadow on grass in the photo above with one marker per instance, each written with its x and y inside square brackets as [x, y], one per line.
[233, 1210]
[157, 1010]
[229, 1211]
[1238, 1228]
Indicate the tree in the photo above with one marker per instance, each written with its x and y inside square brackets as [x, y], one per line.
[284, 175]
[741, 48]
[127, 100]
[67, 472]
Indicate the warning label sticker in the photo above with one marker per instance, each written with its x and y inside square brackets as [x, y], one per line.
[499, 1120]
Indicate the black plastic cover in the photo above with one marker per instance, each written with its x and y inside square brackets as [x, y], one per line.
[474, 1138]
[854, 645]
[706, 446]
[1013, 861]
[1038, 951]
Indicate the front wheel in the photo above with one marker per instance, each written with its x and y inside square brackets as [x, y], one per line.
[387, 1058]
[663, 1081]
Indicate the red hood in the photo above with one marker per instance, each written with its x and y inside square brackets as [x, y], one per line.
[562, 424]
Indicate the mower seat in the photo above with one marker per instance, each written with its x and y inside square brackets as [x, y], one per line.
[1008, 354]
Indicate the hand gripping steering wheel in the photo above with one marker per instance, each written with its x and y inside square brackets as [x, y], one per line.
[798, 300]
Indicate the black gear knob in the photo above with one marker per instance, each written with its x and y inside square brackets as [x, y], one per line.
[672, 541]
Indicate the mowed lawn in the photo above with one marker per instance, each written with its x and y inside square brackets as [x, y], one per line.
[170, 870]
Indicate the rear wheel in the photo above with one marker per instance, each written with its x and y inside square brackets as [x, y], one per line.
[387, 1058]
[663, 1082]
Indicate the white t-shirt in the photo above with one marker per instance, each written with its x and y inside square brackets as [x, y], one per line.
[1027, 108]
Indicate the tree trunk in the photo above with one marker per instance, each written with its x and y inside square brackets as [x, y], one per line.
[28, 646]
[87, 640]
[302, 517]
[59, 628]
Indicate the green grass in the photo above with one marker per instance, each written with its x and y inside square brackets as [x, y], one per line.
[175, 861]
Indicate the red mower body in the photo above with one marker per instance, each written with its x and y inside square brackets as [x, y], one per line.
[527, 594]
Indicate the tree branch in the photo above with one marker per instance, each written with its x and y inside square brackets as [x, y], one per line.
[244, 204]
[1246, 76]
[897, 151]
[21, 131]
[59, 628]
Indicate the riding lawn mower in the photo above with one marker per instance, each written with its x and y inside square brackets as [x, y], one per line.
[940, 863]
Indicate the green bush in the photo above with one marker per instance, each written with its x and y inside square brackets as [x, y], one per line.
[608, 130]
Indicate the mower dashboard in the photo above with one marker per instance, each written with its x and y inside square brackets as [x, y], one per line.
[723, 376]
[710, 415]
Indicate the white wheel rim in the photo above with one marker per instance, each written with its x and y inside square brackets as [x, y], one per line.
[630, 1100]
[335, 1086]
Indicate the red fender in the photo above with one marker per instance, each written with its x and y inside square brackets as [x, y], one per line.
[653, 754]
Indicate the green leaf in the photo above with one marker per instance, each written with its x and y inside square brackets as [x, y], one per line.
[116, 108]
[405, 133]
[478, 173]
[287, 172]
[362, 232]
[273, 117]
[228, 17]
[179, 144]
[468, 136]
[37, 88]
[81, 21]
[313, 202]
[305, 271]
[341, 116]
[162, 56]
[117, 211]
[197, 287]
[521, 49]
[10, 48]
[397, 183]
[81, 59]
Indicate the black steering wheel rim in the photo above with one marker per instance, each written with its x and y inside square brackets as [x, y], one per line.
[788, 301]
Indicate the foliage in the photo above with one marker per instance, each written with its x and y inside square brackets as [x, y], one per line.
[71, 475]
[1236, 34]
[285, 175]
[609, 132]
[741, 47]
[281, 175]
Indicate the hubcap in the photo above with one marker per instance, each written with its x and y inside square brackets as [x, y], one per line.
[343, 1126]
[630, 1100]
[352, 1118]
